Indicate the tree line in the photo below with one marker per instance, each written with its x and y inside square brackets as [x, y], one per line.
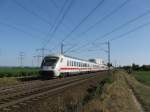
[136, 67]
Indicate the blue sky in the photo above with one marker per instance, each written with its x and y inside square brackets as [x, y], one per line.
[27, 28]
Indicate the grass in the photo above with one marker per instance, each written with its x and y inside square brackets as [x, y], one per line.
[118, 97]
[141, 91]
[18, 72]
[6, 81]
[143, 76]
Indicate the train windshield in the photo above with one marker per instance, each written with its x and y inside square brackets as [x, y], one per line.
[49, 61]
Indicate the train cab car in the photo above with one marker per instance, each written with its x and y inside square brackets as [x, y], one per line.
[61, 65]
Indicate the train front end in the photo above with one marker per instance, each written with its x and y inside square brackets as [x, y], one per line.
[48, 66]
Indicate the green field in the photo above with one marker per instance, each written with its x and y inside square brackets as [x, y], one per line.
[18, 72]
[143, 76]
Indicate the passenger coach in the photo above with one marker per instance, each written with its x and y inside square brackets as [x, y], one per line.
[61, 65]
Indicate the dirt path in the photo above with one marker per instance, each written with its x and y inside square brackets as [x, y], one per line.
[119, 96]
[136, 102]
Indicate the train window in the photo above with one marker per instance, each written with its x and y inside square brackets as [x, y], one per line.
[74, 63]
[49, 61]
[67, 62]
[70, 63]
[61, 60]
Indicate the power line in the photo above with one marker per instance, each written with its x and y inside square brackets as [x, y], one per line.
[57, 7]
[125, 24]
[83, 20]
[104, 18]
[20, 30]
[60, 21]
[31, 12]
[123, 35]
[131, 31]
[60, 12]
[117, 28]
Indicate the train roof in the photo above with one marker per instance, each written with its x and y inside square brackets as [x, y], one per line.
[58, 55]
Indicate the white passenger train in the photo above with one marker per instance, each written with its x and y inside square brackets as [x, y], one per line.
[61, 65]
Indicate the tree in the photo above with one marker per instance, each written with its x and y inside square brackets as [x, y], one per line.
[135, 67]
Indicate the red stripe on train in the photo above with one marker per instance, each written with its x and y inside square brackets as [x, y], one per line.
[78, 69]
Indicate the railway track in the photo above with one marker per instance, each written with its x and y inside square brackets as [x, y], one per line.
[28, 85]
[52, 87]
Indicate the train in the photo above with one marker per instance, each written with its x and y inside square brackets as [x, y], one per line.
[59, 65]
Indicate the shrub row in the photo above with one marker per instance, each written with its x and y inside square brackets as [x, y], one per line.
[18, 72]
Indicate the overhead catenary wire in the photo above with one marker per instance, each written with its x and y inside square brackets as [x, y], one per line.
[60, 21]
[130, 31]
[32, 12]
[127, 33]
[57, 7]
[56, 25]
[20, 30]
[58, 16]
[104, 18]
[83, 20]
[100, 21]
[114, 30]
